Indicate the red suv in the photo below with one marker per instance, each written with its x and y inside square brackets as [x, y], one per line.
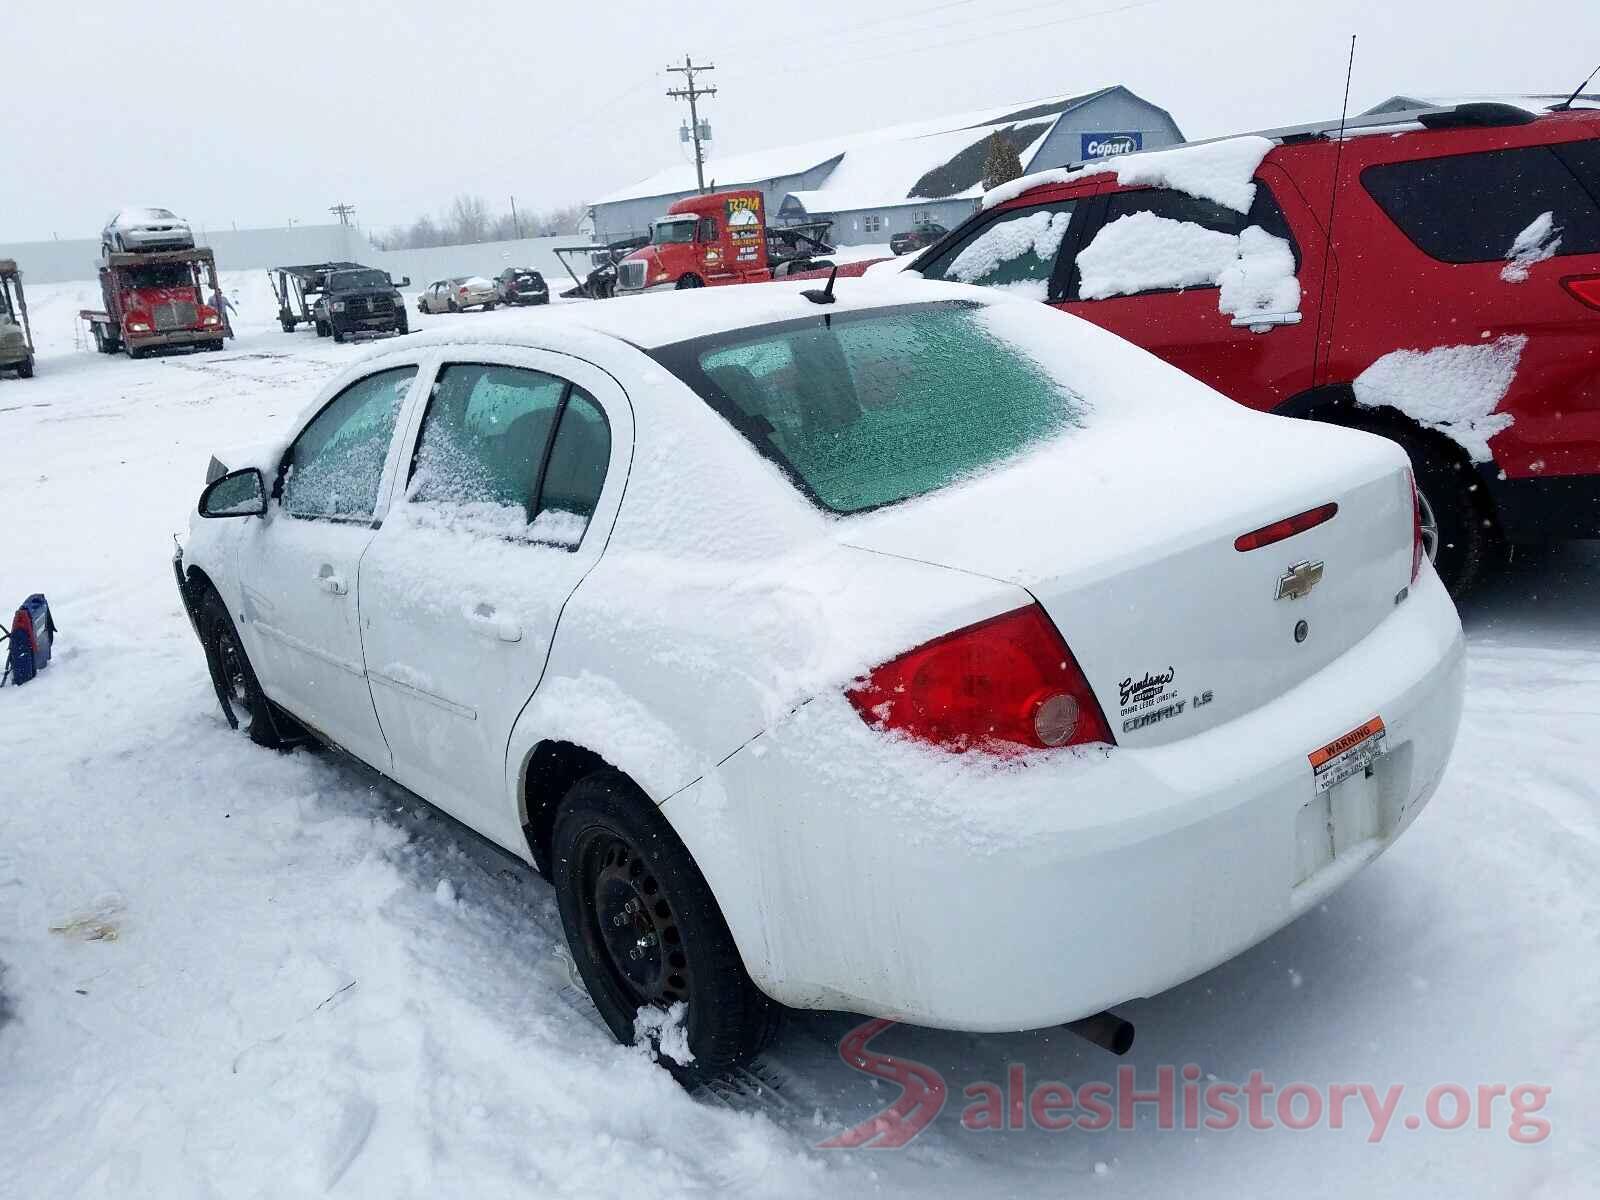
[1455, 308]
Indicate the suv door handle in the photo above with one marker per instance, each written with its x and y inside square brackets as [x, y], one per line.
[1265, 322]
[329, 581]
[483, 619]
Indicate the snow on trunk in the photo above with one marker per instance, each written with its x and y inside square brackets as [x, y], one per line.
[1454, 389]
[1539, 241]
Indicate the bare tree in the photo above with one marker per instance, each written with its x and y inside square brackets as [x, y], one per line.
[468, 220]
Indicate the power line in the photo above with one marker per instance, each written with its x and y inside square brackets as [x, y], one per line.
[344, 212]
[691, 93]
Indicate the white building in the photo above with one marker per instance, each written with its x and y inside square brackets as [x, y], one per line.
[872, 185]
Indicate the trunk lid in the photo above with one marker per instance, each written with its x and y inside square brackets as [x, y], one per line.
[1127, 540]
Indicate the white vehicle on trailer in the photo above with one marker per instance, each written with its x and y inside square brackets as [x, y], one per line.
[929, 654]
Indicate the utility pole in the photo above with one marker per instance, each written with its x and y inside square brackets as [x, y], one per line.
[515, 223]
[691, 93]
[344, 212]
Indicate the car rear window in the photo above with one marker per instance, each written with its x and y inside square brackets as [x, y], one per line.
[1472, 207]
[870, 408]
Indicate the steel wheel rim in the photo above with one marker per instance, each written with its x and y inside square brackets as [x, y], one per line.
[632, 924]
[231, 660]
[1430, 527]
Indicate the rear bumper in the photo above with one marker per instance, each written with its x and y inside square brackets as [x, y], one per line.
[1546, 508]
[946, 891]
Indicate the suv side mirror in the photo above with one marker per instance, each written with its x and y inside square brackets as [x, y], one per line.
[240, 493]
[405, 281]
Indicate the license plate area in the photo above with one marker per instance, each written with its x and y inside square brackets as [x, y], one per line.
[1345, 808]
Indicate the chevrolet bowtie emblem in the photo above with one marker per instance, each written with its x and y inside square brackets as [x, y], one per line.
[1298, 580]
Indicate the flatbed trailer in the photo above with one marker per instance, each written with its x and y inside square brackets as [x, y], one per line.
[298, 287]
[16, 335]
[599, 281]
[157, 300]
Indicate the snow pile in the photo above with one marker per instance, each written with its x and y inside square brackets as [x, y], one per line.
[1539, 241]
[1037, 235]
[1262, 279]
[662, 1030]
[1221, 171]
[1142, 252]
[1453, 389]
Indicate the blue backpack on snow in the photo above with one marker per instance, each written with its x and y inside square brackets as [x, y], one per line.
[33, 630]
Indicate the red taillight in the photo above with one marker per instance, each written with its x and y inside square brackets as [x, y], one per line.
[22, 627]
[1417, 549]
[1286, 528]
[1585, 287]
[1002, 684]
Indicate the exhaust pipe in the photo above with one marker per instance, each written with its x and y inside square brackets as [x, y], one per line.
[1106, 1030]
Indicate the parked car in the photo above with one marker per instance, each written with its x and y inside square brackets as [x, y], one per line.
[1461, 316]
[357, 299]
[458, 294]
[1232, 681]
[131, 230]
[924, 233]
[521, 285]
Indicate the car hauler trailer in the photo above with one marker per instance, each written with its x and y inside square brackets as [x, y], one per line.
[16, 336]
[156, 300]
[706, 241]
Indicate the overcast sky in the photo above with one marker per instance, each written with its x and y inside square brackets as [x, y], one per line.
[252, 113]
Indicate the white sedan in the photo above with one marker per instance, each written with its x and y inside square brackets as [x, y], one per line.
[927, 653]
[132, 230]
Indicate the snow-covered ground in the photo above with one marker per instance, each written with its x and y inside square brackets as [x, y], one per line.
[229, 972]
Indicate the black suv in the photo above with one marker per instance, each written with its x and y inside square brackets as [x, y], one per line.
[359, 300]
[521, 285]
[923, 233]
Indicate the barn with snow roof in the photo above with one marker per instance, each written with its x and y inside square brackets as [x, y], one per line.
[876, 184]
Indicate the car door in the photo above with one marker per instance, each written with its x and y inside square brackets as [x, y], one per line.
[1149, 266]
[513, 482]
[298, 565]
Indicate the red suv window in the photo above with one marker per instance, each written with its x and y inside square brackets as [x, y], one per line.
[1471, 207]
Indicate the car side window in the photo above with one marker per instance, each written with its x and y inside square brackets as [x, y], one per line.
[1153, 240]
[575, 474]
[483, 442]
[1016, 251]
[1483, 207]
[335, 466]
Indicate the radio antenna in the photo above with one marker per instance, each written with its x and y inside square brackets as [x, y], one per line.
[1567, 103]
[1333, 201]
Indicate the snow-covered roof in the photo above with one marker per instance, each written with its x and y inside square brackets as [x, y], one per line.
[662, 318]
[878, 167]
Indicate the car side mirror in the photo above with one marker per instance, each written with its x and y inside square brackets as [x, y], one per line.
[405, 281]
[241, 493]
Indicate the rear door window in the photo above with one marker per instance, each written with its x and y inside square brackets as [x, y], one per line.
[1470, 208]
[1016, 251]
[510, 452]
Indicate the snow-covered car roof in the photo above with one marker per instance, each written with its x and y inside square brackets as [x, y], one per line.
[666, 317]
[136, 216]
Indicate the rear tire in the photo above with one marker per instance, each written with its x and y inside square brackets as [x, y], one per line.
[1463, 541]
[239, 693]
[25, 368]
[645, 929]
[338, 334]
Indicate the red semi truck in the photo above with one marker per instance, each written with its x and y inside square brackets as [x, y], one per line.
[723, 237]
[163, 298]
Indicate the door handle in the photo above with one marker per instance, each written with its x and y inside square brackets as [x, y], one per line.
[483, 619]
[331, 582]
[1265, 322]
